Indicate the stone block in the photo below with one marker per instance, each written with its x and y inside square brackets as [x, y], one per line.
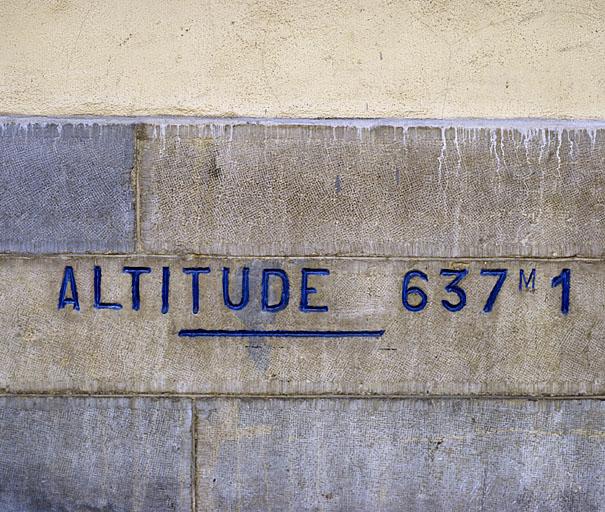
[95, 454]
[66, 187]
[279, 188]
[525, 344]
[391, 455]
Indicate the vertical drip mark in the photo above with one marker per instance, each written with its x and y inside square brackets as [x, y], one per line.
[526, 136]
[571, 143]
[177, 138]
[359, 130]
[592, 133]
[441, 158]
[163, 136]
[494, 147]
[459, 194]
[138, 135]
[494, 150]
[502, 153]
[542, 135]
[559, 142]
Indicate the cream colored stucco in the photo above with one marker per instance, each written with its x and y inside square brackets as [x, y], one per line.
[313, 58]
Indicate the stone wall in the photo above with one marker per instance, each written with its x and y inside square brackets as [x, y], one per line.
[246, 314]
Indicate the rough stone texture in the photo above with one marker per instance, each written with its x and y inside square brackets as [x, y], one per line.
[66, 187]
[311, 58]
[392, 455]
[103, 454]
[338, 188]
[524, 346]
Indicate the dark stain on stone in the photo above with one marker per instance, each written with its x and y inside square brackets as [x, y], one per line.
[214, 171]
[252, 316]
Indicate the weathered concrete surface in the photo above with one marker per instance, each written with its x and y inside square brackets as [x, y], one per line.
[66, 187]
[311, 58]
[355, 188]
[110, 455]
[524, 346]
[391, 455]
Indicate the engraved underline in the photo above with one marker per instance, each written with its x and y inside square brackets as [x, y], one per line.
[244, 333]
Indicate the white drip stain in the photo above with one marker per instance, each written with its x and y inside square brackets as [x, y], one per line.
[570, 141]
[367, 124]
[592, 133]
[163, 128]
[533, 133]
[404, 138]
[559, 142]
[542, 135]
[527, 135]
[442, 156]
[493, 137]
[460, 195]
[359, 130]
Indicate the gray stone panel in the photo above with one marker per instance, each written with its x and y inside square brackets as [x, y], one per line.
[355, 188]
[525, 345]
[95, 454]
[66, 187]
[394, 455]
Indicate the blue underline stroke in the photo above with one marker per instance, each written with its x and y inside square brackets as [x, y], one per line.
[244, 333]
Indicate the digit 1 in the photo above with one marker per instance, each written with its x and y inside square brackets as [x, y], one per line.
[563, 279]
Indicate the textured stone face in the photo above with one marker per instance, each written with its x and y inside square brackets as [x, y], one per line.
[101, 454]
[341, 189]
[443, 455]
[66, 188]
[524, 345]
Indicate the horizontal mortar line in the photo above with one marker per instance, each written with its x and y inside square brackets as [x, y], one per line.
[176, 257]
[299, 396]
[359, 122]
[278, 333]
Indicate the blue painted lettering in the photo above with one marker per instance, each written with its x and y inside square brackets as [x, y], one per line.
[245, 294]
[501, 274]
[529, 281]
[306, 290]
[165, 289]
[563, 279]
[135, 273]
[195, 285]
[285, 290]
[408, 290]
[69, 279]
[453, 287]
[98, 304]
